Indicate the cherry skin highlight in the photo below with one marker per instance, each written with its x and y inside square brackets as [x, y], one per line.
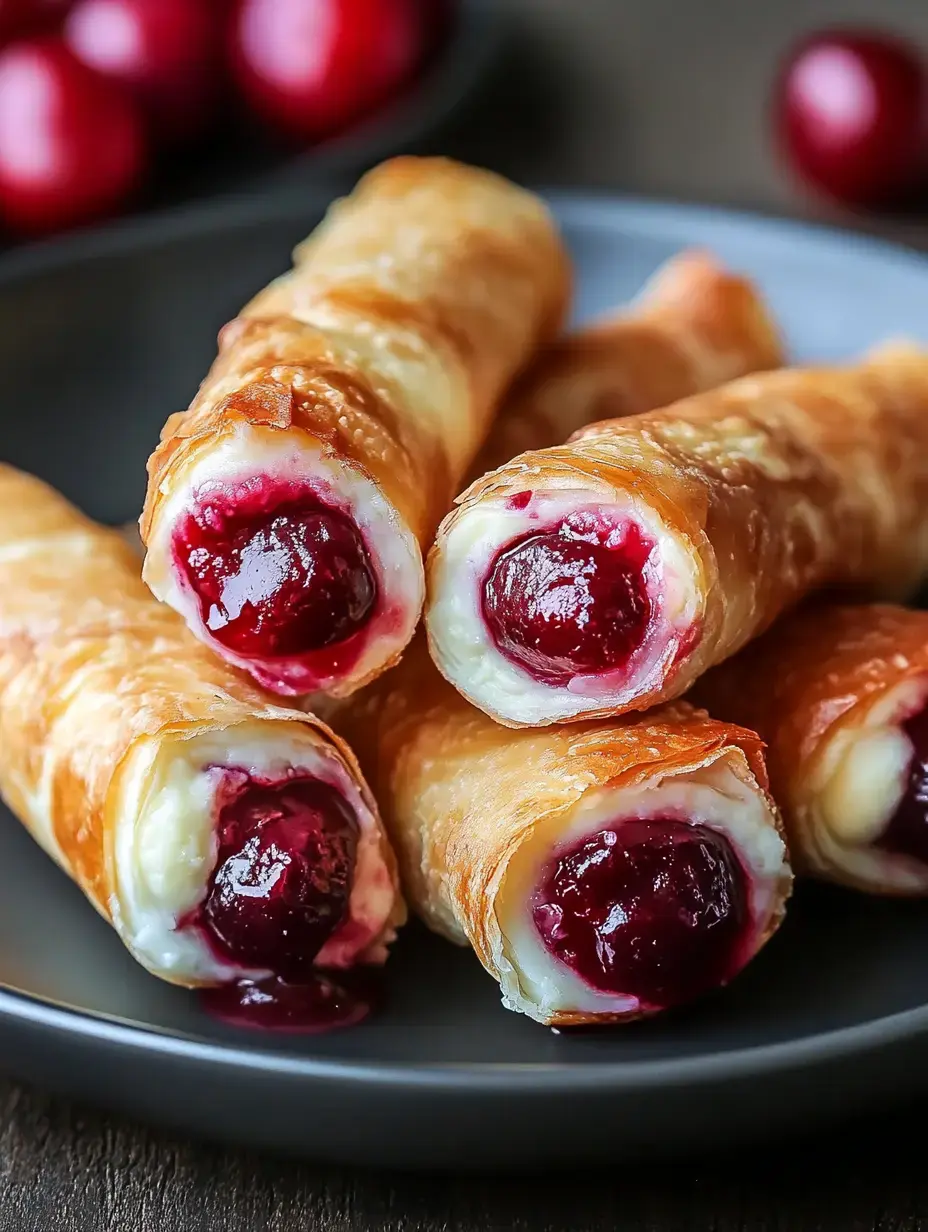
[276, 579]
[655, 909]
[561, 606]
[283, 875]
[907, 831]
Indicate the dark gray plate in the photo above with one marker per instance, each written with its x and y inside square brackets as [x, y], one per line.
[102, 336]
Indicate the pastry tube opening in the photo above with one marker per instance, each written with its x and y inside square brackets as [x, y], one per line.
[609, 573]
[693, 326]
[840, 696]
[600, 871]
[289, 506]
[223, 836]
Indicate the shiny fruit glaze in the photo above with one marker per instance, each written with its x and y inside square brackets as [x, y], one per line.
[907, 831]
[320, 1004]
[564, 604]
[656, 909]
[277, 574]
[282, 881]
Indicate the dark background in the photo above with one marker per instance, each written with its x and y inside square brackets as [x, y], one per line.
[658, 97]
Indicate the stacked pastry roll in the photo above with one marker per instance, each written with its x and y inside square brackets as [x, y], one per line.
[223, 836]
[619, 867]
[289, 507]
[608, 574]
[601, 871]
[840, 696]
[608, 850]
[694, 326]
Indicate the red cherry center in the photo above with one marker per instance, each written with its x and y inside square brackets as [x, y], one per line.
[654, 909]
[560, 605]
[276, 577]
[907, 831]
[283, 874]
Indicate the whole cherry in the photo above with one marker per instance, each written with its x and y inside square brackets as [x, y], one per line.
[310, 67]
[164, 52]
[852, 115]
[72, 146]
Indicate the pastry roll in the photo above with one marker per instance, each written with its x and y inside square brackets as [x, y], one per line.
[693, 327]
[840, 696]
[288, 507]
[600, 871]
[609, 573]
[223, 836]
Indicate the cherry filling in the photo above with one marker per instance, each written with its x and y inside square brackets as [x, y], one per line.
[283, 874]
[320, 1004]
[562, 605]
[654, 909]
[276, 574]
[907, 831]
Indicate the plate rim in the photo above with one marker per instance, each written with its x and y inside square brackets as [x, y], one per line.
[656, 218]
[703, 1069]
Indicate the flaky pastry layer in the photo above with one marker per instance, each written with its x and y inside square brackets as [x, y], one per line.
[114, 722]
[375, 366]
[694, 326]
[828, 690]
[475, 810]
[751, 496]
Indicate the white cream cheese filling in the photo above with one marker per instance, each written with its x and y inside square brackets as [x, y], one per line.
[394, 552]
[540, 985]
[465, 648]
[858, 785]
[165, 845]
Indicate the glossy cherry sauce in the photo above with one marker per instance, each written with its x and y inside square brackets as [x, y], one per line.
[283, 873]
[656, 909]
[277, 573]
[321, 1003]
[569, 602]
[907, 832]
[279, 890]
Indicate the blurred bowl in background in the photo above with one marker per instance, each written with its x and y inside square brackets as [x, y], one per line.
[244, 152]
[447, 81]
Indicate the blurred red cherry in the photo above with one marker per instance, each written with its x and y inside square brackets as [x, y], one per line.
[310, 67]
[852, 113]
[72, 146]
[21, 17]
[166, 52]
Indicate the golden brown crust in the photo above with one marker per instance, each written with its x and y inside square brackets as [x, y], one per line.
[89, 664]
[772, 486]
[695, 326]
[459, 794]
[391, 339]
[812, 677]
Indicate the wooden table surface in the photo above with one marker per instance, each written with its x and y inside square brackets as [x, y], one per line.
[663, 97]
[67, 1169]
